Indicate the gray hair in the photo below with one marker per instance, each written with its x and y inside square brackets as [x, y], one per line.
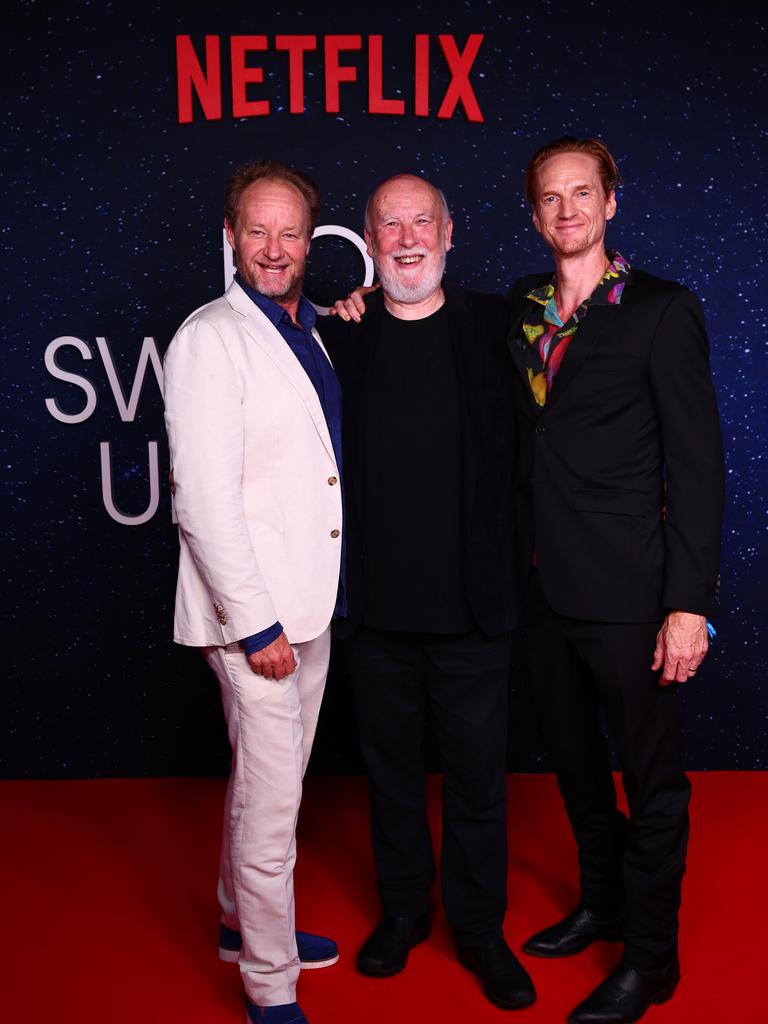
[440, 193]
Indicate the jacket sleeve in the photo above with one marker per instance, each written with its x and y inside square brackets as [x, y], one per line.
[693, 456]
[206, 434]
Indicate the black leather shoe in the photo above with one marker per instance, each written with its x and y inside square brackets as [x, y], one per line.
[626, 994]
[386, 950]
[505, 981]
[573, 934]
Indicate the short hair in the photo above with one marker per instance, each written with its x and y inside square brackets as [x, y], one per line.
[609, 172]
[270, 170]
[440, 193]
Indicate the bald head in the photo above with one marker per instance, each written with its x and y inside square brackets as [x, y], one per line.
[395, 184]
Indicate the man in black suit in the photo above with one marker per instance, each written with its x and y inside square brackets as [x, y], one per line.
[620, 486]
[429, 440]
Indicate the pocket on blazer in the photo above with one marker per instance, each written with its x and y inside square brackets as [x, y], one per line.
[609, 501]
[611, 368]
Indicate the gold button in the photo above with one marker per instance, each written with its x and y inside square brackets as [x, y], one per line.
[334, 533]
[332, 480]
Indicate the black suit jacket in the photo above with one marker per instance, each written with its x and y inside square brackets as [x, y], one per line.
[479, 328]
[629, 428]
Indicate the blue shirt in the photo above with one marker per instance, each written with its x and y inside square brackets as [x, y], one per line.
[318, 368]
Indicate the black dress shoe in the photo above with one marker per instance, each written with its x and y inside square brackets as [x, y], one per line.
[573, 934]
[505, 981]
[386, 950]
[626, 994]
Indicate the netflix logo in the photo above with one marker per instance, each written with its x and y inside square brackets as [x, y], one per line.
[344, 59]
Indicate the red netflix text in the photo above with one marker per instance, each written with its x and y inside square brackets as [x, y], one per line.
[200, 75]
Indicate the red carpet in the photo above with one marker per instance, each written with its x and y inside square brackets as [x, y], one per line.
[110, 915]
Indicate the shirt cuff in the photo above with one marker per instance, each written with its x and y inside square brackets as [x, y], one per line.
[258, 641]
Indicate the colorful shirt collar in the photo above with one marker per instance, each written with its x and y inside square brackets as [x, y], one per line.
[606, 293]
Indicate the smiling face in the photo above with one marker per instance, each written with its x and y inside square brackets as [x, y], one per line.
[571, 208]
[270, 240]
[408, 235]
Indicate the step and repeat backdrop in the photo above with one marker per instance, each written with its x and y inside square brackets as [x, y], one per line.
[121, 124]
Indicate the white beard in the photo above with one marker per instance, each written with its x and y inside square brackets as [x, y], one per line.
[424, 285]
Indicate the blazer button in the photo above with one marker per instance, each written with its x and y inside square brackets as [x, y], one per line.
[334, 533]
[540, 428]
[332, 480]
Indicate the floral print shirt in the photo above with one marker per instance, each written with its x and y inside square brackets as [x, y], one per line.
[548, 337]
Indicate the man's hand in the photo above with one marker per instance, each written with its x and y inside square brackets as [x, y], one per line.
[275, 661]
[681, 645]
[353, 307]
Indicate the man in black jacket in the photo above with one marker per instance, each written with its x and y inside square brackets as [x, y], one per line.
[429, 444]
[620, 504]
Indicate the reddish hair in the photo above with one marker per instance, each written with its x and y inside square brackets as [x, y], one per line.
[271, 170]
[609, 172]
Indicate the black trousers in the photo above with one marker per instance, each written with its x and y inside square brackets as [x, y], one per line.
[637, 866]
[459, 683]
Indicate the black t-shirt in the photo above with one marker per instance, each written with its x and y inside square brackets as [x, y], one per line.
[412, 480]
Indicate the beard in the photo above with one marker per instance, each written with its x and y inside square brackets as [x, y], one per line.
[260, 281]
[425, 284]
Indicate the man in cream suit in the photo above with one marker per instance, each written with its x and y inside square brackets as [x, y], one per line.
[253, 411]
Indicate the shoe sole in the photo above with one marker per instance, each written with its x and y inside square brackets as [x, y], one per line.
[315, 965]
[666, 993]
[532, 951]
[231, 956]
[506, 1004]
[376, 972]
[295, 1020]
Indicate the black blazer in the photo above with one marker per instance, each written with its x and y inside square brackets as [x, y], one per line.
[479, 328]
[630, 428]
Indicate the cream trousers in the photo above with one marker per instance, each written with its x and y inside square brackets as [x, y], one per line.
[271, 725]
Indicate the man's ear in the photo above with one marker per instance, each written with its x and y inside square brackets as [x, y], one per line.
[610, 205]
[448, 234]
[368, 244]
[230, 233]
[536, 221]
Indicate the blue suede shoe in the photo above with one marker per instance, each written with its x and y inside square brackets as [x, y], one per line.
[314, 950]
[286, 1013]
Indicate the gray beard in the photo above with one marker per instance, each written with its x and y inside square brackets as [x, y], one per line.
[394, 288]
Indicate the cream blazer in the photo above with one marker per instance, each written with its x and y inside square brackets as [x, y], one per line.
[257, 491]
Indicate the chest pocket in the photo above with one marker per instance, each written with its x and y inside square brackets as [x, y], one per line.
[610, 502]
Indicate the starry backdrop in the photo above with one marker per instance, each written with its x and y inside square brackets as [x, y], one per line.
[112, 229]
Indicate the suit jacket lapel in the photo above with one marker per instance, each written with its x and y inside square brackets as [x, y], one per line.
[269, 339]
[590, 330]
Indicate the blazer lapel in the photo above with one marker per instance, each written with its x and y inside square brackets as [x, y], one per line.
[590, 330]
[268, 338]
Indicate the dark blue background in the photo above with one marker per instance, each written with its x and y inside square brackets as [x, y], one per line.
[113, 228]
